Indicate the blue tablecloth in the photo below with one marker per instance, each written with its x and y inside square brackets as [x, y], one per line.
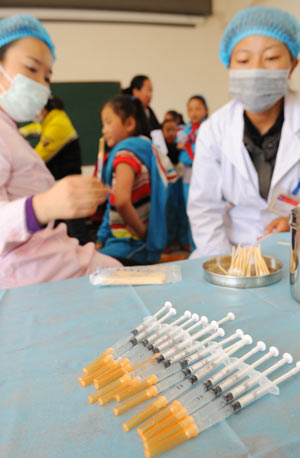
[48, 332]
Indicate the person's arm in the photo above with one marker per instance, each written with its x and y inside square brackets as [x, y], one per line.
[54, 137]
[206, 207]
[125, 176]
[31, 129]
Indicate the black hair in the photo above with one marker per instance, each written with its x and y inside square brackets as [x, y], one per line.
[4, 49]
[176, 116]
[199, 97]
[126, 106]
[136, 83]
[168, 120]
[54, 103]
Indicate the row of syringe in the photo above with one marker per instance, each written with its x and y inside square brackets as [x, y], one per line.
[126, 369]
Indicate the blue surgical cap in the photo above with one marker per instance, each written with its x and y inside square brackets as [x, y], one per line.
[24, 25]
[261, 20]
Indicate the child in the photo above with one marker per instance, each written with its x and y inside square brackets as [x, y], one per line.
[134, 226]
[197, 112]
[177, 222]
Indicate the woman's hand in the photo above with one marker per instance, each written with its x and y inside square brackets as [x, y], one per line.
[278, 225]
[75, 196]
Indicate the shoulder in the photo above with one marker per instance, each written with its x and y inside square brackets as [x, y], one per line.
[124, 156]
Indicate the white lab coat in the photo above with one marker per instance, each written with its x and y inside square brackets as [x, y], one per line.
[224, 176]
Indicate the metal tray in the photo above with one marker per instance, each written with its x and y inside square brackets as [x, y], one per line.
[214, 274]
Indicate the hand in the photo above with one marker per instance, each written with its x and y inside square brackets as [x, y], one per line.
[140, 235]
[75, 196]
[278, 225]
[180, 145]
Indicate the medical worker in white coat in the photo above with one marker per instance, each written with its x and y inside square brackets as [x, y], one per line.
[248, 152]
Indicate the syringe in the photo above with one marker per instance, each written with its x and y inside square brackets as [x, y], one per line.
[203, 393]
[148, 374]
[175, 386]
[192, 425]
[93, 365]
[109, 361]
[153, 337]
[157, 373]
[192, 401]
[109, 385]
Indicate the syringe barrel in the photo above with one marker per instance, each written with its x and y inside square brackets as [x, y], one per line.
[152, 337]
[224, 372]
[147, 321]
[147, 331]
[179, 346]
[177, 390]
[254, 395]
[169, 334]
[170, 381]
[238, 390]
[206, 370]
[180, 355]
[170, 341]
[229, 381]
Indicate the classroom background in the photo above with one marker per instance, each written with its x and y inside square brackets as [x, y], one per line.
[180, 59]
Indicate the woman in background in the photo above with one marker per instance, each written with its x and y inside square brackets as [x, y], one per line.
[141, 88]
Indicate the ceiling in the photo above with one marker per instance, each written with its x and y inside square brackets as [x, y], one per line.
[187, 7]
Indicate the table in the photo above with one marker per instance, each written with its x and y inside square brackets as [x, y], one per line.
[48, 332]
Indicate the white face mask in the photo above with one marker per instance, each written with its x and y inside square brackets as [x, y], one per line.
[258, 89]
[24, 99]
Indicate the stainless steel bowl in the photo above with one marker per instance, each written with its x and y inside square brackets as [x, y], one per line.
[214, 274]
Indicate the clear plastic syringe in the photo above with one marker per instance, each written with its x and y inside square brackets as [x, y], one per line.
[192, 425]
[112, 359]
[93, 365]
[213, 417]
[201, 395]
[175, 386]
[158, 372]
[155, 336]
[195, 336]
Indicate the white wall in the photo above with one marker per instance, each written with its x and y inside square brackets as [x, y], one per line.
[180, 61]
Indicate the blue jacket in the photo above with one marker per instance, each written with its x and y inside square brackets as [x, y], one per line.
[142, 148]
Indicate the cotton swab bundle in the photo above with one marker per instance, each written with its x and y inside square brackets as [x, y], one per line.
[246, 262]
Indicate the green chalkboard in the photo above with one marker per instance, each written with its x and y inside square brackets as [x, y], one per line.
[83, 102]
